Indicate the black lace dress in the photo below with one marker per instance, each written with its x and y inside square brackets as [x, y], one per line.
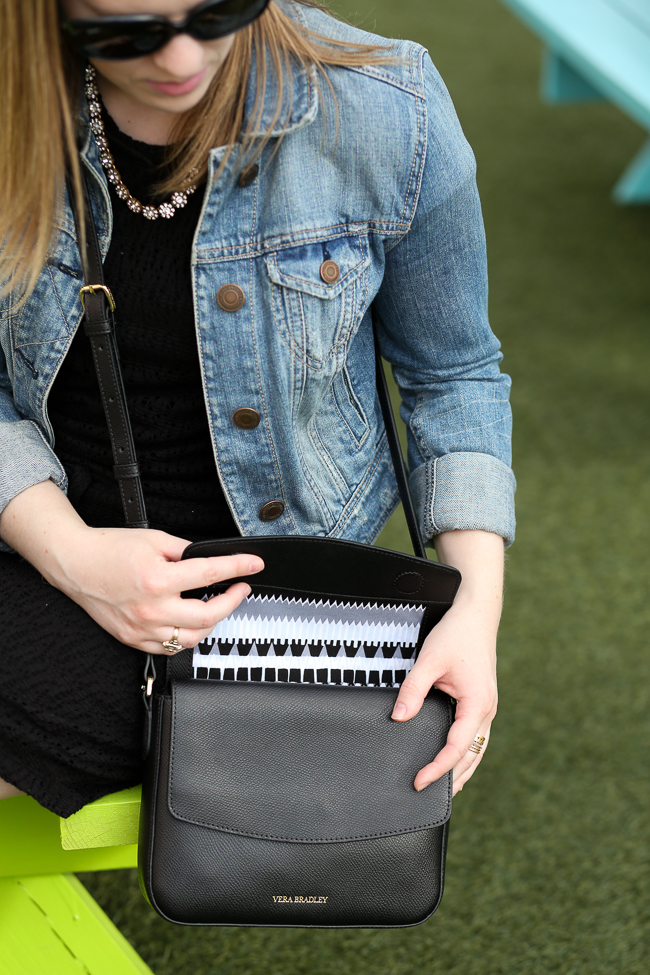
[70, 707]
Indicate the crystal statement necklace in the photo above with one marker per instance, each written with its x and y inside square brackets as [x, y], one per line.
[168, 209]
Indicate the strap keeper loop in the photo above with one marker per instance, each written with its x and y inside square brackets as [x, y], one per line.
[103, 327]
[126, 470]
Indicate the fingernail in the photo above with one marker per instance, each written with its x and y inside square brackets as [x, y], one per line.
[256, 565]
[248, 590]
[421, 788]
[398, 711]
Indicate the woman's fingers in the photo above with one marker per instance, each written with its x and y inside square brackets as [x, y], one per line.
[456, 658]
[196, 619]
[467, 766]
[457, 753]
[413, 691]
[415, 687]
[176, 576]
[196, 573]
[474, 752]
[463, 732]
[131, 582]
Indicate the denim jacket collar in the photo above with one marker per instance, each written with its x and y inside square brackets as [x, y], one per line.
[299, 104]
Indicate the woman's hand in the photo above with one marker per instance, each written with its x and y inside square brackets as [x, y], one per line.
[129, 580]
[459, 655]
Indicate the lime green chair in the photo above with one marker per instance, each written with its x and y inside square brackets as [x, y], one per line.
[49, 923]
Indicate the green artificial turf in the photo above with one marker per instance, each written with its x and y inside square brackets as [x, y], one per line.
[548, 857]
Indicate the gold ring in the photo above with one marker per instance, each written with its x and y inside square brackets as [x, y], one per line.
[173, 646]
[477, 744]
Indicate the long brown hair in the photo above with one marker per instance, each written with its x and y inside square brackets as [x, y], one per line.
[40, 81]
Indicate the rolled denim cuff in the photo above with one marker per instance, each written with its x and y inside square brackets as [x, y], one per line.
[465, 490]
[25, 459]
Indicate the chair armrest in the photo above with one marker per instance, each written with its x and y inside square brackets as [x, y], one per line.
[110, 821]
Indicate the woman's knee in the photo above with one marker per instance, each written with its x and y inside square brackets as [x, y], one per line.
[7, 790]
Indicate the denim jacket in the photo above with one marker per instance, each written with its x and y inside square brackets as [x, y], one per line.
[381, 182]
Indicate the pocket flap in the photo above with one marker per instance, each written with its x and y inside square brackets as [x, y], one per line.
[304, 763]
[300, 267]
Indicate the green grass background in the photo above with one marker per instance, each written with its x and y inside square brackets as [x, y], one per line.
[548, 857]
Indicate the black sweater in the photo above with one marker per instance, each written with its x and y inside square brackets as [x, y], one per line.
[148, 270]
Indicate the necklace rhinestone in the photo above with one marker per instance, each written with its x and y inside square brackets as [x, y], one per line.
[167, 209]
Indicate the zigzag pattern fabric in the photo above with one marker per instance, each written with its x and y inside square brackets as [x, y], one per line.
[270, 638]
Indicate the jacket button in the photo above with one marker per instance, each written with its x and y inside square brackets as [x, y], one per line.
[271, 511]
[245, 418]
[330, 272]
[248, 176]
[230, 297]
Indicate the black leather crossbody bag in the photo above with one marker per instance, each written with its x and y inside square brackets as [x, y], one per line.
[277, 789]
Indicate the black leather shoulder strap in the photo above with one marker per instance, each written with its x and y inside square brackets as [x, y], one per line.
[395, 448]
[179, 667]
[99, 326]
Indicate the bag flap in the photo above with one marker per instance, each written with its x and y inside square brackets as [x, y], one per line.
[299, 564]
[304, 763]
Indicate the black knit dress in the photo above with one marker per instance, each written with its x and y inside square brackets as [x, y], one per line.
[70, 706]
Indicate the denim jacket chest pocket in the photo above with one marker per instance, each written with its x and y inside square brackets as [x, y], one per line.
[319, 297]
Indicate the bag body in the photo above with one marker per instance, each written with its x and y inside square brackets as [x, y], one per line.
[292, 802]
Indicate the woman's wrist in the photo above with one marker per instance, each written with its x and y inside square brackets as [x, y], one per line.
[479, 556]
[43, 527]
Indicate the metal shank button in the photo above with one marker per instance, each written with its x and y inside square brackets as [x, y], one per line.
[330, 272]
[230, 297]
[245, 418]
[248, 176]
[271, 511]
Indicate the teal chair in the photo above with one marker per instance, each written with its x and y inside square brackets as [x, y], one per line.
[598, 49]
[49, 923]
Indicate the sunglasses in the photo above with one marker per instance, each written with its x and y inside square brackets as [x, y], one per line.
[123, 38]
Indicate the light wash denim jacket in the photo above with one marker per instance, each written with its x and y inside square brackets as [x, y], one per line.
[393, 202]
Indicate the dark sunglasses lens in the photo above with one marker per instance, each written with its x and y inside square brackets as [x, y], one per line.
[223, 18]
[120, 42]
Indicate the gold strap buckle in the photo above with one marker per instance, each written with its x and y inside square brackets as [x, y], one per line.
[91, 289]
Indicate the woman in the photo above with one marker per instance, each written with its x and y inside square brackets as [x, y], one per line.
[243, 268]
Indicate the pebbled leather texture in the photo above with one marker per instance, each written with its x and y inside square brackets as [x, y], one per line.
[192, 874]
[302, 762]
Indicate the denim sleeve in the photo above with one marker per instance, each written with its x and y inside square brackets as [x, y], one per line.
[436, 335]
[25, 456]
